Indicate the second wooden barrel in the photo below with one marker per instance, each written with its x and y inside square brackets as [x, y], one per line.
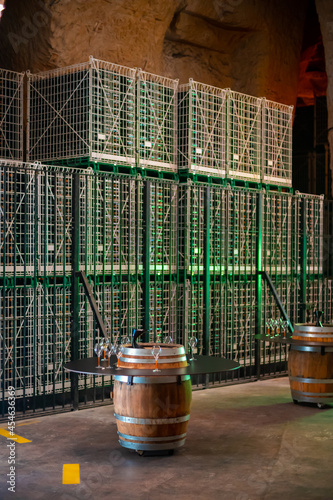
[152, 411]
[310, 367]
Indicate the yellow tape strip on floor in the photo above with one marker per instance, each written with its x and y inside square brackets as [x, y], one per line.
[71, 474]
[14, 437]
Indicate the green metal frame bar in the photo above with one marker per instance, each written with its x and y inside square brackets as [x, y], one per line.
[92, 302]
[206, 284]
[258, 282]
[146, 258]
[303, 260]
[277, 299]
[75, 303]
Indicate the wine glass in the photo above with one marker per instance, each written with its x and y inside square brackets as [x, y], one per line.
[125, 340]
[119, 351]
[104, 345]
[168, 339]
[271, 327]
[108, 352]
[98, 350]
[268, 325]
[276, 327]
[285, 326]
[192, 343]
[156, 351]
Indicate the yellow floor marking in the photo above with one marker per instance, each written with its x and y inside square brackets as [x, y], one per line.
[28, 423]
[71, 474]
[4, 426]
[14, 437]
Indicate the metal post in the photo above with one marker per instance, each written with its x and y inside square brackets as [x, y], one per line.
[206, 284]
[258, 283]
[146, 258]
[303, 261]
[75, 302]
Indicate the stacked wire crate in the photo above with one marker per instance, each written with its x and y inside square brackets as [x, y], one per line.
[177, 198]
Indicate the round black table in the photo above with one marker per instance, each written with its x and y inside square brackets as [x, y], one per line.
[201, 365]
[178, 382]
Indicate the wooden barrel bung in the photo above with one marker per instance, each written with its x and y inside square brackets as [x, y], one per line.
[310, 366]
[152, 411]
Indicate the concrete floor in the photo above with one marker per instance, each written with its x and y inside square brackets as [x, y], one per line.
[244, 442]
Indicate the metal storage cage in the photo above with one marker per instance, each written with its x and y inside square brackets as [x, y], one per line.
[314, 298]
[163, 307]
[244, 136]
[219, 198]
[163, 226]
[277, 143]
[238, 342]
[218, 314]
[111, 224]
[82, 111]
[311, 221]
[17, 218]
[193, 311]
[191, 227]
[202, 129]
[53, 322]
[241, 231]
[11, 115]
[18, 339]
[280, 234]
[289, 291]
[157, 121]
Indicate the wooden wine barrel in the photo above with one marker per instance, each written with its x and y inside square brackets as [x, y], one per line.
[310, 366]
[152, 411]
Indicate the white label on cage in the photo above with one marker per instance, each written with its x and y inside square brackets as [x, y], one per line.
[199, 151]
[100, 248]
[270, 163]
[147, 144]
[236, 251]
[50, 248]
[101, 137]
[236, 157]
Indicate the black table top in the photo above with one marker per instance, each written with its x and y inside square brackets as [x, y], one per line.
[201, 365]
[289, 340]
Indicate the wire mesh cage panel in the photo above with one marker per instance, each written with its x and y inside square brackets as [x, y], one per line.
[238, 342]
[111, 224]
[192, 227]
[157, 121]
[113, 112]
[120, 305]
[18, 339]
[163, 306]
[202, 129]
[313, 210]
[289, 291]
[82, 111]
[17, 219]
[53, 338]
[11, 115]
[54, 216]
[218, 230]
[280, 235]
[163, 227]
[193, 310]
[277, 143]
[241, 231]
[244, 136]
[217, 319]
[328, 301]
[315, 296]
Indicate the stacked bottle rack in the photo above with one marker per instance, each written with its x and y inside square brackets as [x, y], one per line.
[11, 115]
[165, 193]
